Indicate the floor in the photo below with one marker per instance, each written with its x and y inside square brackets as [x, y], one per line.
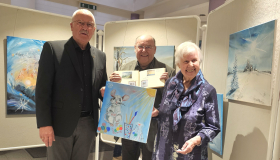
[24, 155]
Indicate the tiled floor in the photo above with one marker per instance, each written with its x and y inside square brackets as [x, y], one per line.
[17, 155]
[24, 155]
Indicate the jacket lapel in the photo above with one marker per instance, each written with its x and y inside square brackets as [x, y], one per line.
[74, 58]
[94, 64]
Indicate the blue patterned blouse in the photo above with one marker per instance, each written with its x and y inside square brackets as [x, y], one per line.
[184, 115]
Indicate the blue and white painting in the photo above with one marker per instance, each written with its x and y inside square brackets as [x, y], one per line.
[250, 64]
[22, 67]
[217, 143]
[123, 55]
[126, 111]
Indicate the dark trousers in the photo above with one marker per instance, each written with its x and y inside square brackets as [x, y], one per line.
[117, 151]
[131, 150]
[75, 147]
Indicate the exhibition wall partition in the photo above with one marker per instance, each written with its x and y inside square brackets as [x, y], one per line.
[170, 31]
[20, 130]
[250, 129]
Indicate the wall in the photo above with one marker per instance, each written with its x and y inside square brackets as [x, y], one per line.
[213, 4]
[58, 8]
[249, 128]
[24, 3]
[5, 1]
[194, 10]
[168, 7]
[20, 131]
[166, 31]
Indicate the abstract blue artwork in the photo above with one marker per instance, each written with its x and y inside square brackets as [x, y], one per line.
[250, 64]
[123, 55]
[217, 143]
[126, 111]
[22, 66]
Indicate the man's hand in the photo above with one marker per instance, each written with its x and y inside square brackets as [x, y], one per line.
[114, 77]
[102, 91]
[164, 76]
[155, 112]
[47, 135]
[189, 145]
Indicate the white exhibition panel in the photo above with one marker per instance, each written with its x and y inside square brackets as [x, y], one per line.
[166, 31]
[20, 131]
[249, 128]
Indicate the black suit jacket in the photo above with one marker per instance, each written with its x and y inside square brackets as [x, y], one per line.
[59, 88]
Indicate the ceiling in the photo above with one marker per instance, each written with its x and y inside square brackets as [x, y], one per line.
[151, 8]
[143, 5]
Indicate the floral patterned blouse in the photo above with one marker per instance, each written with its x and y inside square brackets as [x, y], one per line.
[184, 115]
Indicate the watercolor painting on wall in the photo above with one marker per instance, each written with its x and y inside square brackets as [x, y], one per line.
[126, 111]
[124, 55]
[250, 64]
[22, 66]
[217, 143]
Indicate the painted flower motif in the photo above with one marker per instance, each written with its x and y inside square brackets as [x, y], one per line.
[174, 153]
[164, 129]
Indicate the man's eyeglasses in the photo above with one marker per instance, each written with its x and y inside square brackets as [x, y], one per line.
[146, 47]
[81, 24]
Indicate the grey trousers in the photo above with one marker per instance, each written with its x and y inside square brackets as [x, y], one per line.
[75, 147]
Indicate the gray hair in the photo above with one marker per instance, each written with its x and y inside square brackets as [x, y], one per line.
[145, 35]
[83, 11]
[185, 49]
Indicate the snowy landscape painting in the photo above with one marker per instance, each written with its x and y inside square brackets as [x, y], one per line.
[126, 111]
[22, 66]
[250, 64]
[217, 143]
[123, 55]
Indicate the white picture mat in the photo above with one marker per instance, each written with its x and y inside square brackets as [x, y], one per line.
[134, 74]
[153, 80]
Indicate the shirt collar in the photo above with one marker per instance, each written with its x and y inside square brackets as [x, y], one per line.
[150, 66]
[77, 46]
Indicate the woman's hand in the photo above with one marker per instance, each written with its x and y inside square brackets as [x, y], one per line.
[189, 145]
[155, 112]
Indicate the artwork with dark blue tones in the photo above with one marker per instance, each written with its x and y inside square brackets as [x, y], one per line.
[217, 143]
[22, 67]
[124, 55]
[126, 111]
[250, 64]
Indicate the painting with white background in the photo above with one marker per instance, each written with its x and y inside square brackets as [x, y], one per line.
[250, 64]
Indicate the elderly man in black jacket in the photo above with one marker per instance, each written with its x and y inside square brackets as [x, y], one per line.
[70, 78]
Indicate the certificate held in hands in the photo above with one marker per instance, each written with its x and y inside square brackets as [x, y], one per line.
[146, 78]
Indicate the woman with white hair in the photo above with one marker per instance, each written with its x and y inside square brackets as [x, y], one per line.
[188, 114]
